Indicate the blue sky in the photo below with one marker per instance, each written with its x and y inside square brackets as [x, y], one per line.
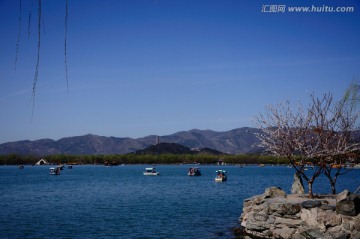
[141, 67]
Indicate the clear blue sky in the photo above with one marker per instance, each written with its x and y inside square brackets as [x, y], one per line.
[141, 67]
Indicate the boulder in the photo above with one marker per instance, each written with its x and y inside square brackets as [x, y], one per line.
[274, 214]
[341, 196]
[310, 217]
[291, 223]
[256, 225]
[283, 208]
[311, 204]
[297, 186]
[285, 233]
[355, 235]
[312, 233]
[329, 219]
[260, 216]
[338, 235]
[349, 206]
[357, 224]
[256, 200]
[298, 236]
[274, 192]
[328, 207]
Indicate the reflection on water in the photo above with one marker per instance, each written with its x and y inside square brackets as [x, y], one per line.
[120, 202]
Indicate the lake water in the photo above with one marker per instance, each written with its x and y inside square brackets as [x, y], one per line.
[119, 202]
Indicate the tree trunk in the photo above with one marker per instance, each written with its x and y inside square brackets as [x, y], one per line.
[310, 191]
[333, 189]
[332, 181]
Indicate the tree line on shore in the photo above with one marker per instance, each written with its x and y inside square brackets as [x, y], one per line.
[14, 159]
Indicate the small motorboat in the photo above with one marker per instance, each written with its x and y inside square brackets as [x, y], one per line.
[194, 172]
[21, 166]
[54, 171]
[151, 172]
[220, 176]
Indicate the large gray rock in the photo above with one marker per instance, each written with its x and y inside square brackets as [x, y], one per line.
[297, 186]
[349, 206]
[357, 224]
[338, 235]
[355, 235]
[311, 204]
[341, 196]
[291, 223]
[312, 233]
[260, 216]
[283, 208]
[285, 233]
[274, 192]
[275, 215]
[256, 200]
[258, 226]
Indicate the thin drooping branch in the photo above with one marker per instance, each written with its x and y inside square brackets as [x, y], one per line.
[29, 19]
[19, 34]
[65, 50]
[38, 58]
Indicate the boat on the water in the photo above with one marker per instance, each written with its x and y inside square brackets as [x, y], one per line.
[220, 176]
[194, 172]
[151, 172]
[54, 171]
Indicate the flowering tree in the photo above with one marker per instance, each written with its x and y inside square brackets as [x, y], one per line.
[319, 135]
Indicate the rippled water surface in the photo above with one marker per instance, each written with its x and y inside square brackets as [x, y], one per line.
[119, 202]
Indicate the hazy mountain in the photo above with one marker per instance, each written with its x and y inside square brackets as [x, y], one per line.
[173, 148]
[236, 141]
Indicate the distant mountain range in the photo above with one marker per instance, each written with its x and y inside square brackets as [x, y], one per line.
[236, 141]
[173, 148]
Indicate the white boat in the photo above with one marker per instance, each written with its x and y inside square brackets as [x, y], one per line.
[151, 172]
[220, 176]
[54, 171]
[194, 172]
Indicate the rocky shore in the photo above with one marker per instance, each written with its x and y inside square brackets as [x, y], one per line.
[274, 214]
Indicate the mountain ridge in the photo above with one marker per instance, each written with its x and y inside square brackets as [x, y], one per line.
[174, 148]
[235, 141]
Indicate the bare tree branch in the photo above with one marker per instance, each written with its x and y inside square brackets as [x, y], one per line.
[319, 134]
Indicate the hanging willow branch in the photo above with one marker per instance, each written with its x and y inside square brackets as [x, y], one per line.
[40, 27]
[66, 68]
[19, 34]
[29, 19]
[38, 58]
